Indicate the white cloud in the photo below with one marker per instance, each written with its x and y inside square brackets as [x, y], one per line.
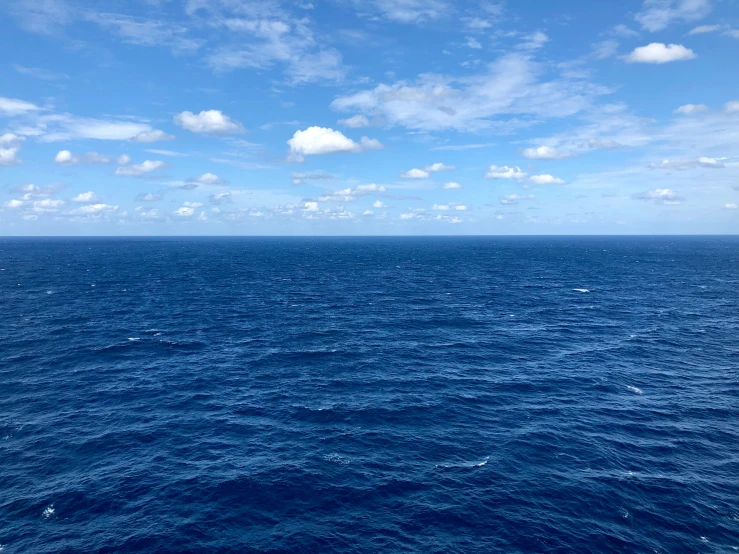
[85, 197]
[47, 205]
[660, 53]
[94, 209]
[545, 180]
[460, 207]
[323, 140]
[123, 159]
[660, 196]
[348, 194]
[154, 135]
[681, 165]
[473, 43]
[731, 206]
[504, 172]
[368, 212]
[732, 107]
[510, 88]
[440, 207]
[514, 199]
[733, 33]
[311, 206]
[208, 179]
[415, 174]
[377, 205]
[64, 127]
[410, 11]
[12, 107]
[65, 157]
[14, 204]
[184, 211]
[705, 29]
[460, 147]
[355, 122]
[545, 153]
[212, 122]
[658, 14]
[436, 167]
[192, 204]
[452, 185]
[139, 170]
[11, 139]
[9, 156]
[690, 109]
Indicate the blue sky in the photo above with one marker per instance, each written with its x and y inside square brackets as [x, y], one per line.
[344, 117]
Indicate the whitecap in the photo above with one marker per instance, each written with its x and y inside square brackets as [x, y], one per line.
[49, 511]
[637, 390]
[49, 292]
[581, 290]
[133, 338]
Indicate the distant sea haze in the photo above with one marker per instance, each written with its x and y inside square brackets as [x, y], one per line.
[337, 395]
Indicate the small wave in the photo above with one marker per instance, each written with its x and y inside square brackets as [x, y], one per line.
[133, 338]
[468, 465]
[49, 511]
[49, 292]
[581, 290]
[337, 458]
[637, 390]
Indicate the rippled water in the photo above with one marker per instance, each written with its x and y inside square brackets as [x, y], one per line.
[369, 395]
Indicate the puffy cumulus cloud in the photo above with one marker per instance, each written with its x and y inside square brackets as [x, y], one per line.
[355, 122]
[94, 209]
[511, 199]
[147, 214]
[47, 205]
[184, 211]
[14, 204]
[208, 179]
[659, 53]
[12, 107]
[436, 167]
[139, 170]
[731, 206]
[85, 197]
[9, 156]
[212, 122]
[501, 98]
[451, 185]
[415, 174]
[65, 157]
[545, 153]
[690, 109]
[324, 140]
[660, 196]
[545, 179]
[123, 159]
[310, 206]
[348, 194]
[732, 107]
[378, 205]
[658, 14]
[681, 165]
[440, 207]
[460, 208]
[155, 135]
[11, 139]
[504, 172]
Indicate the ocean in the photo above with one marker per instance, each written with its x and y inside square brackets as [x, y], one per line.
[352, 395]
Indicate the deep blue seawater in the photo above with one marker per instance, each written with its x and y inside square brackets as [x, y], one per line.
[469, 395]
